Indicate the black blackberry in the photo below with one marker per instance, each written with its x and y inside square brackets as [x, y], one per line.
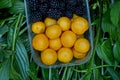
[54, 3]
[35, 4]
[62, 5]
[80, 9]
[32, 4]
[35, 16]
[71, 2]
[70, 7]
[54, 13]
[69, 14]
[43, 7]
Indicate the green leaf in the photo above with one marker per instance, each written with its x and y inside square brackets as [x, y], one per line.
[5, 70]
[87, 76]
[104, 51]
[45, 74]
[113, 73]
[115, 13]
[22, 59]
[55, 75]
[5, 54]
[69, 73]
[5, 4]
[97, 75]
[3, 30]
[14, 75]
[33, 68]
[116, 51]
[18, 7]
[33, 76]
[106, 23]
[10, 36]
[107, 26]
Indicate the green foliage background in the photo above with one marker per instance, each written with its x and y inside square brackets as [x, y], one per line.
[16, 62]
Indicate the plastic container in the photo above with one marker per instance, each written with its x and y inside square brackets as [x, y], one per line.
[36, 54]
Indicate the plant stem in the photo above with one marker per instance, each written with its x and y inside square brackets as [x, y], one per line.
[63, 77]
[15, 35]
[22, 31]
[15, 32]
[97, 67]
[50, 73]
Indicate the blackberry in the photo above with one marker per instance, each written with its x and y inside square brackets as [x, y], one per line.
[35, 16]
[70, 7]
[54, 13]
[62, 5]
[43, 7]
[80, 9]
[71, 2]
[33, 4]
[54, 3]
[69, 14]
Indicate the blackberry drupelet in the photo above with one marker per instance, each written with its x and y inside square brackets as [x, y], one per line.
[80, 9]
[33, 4]
[71, 2]
[43, 7]
[70, 7]
[68, 13]
[35, 16]
[54, 13]
[62, 5]
[54, 3]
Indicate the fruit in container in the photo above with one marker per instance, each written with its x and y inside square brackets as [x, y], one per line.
[68, 38]
[82, 45]
[49, 56]
[38, 27]
[79, 25]
[40, 42]
[78, 55]
[65, 55]
[49, 21]
[62, 40]
[64, 23]
[53, 31]
[55, 44]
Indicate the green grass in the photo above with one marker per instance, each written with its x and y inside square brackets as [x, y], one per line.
[16, 62]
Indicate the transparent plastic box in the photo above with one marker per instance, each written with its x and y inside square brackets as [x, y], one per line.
[36, 54]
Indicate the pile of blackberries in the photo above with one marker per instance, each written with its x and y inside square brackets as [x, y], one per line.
[40, 9]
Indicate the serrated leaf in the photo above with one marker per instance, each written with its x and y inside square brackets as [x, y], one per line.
[116, 51]
[104, 51]
[5, 4]
[18, 7]
[5, 70]
[115, 13]
[22, 59]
